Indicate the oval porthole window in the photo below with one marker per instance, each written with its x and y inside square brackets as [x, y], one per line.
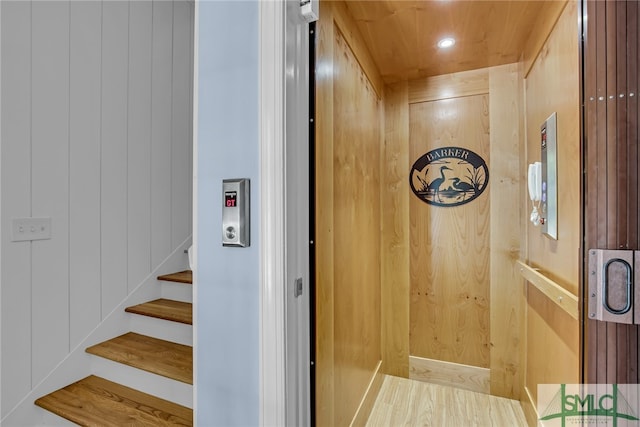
[449, 176]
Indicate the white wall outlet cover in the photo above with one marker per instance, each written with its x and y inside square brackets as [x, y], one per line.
[27, 229]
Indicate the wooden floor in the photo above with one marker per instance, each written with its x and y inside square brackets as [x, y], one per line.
[150, 354]
[185, 276]
[403, 402]
[176, 311]
[95, 401]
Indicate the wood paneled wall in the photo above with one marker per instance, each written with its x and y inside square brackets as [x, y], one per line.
[612, 217]
[395, 240]
[553, 85]
[96, 134]
[545, 22]
[506, 333]
[552, 345]
[449, 262]
[506, 109]
[416, 237]
[348, 140]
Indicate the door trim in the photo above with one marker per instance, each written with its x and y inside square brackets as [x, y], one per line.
[272, 203]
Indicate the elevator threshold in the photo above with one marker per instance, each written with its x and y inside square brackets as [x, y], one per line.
[404, 402]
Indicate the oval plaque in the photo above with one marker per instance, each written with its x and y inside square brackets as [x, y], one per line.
[449, 176]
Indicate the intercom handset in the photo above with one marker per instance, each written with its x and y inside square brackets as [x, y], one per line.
[535, 191]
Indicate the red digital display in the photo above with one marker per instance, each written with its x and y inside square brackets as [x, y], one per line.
[231, 199]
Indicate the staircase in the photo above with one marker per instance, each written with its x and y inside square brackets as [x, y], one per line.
[95, 401]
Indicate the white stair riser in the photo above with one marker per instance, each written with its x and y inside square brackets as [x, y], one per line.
[147, 382]
[176, 291]
[163, 329]
[49, 419]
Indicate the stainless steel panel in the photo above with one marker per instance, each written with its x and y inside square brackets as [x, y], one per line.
[236, 212]
[611, 288]
[549, 159]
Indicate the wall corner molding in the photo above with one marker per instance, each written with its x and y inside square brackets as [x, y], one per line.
[272, 226]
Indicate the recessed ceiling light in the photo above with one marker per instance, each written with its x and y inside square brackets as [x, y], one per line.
[446, 42]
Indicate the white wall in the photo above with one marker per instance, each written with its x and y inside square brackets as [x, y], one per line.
[227, 278]
[229, 145]
[96, 134]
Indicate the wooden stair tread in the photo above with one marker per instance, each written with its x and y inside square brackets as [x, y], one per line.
[160, 357]
[185, 276]
[94, 401]
[175, 311]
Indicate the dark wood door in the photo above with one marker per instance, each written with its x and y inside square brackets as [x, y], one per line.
[612, 211]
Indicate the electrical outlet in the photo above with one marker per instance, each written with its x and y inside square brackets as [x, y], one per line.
[26, 229]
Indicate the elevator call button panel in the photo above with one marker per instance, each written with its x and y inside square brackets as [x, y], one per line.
[549, 185]
[235, 212]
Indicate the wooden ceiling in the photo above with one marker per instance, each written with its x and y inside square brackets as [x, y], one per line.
[402, 34]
